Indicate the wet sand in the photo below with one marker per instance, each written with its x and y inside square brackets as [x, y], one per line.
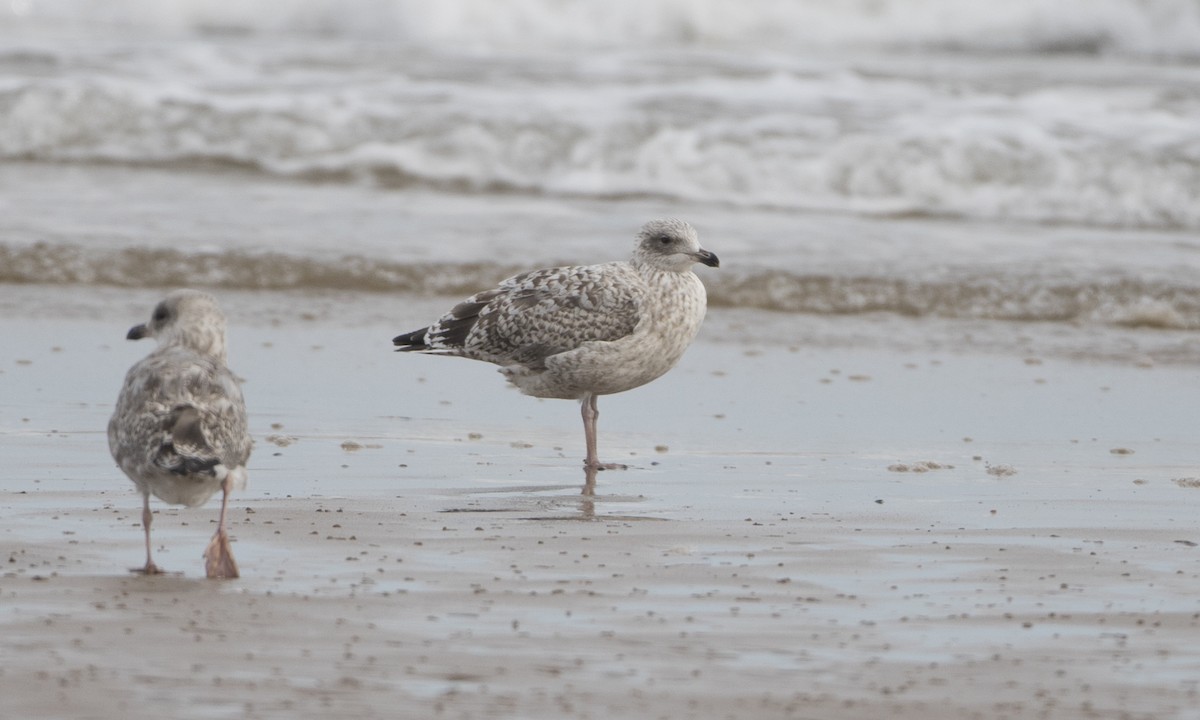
[847, 529]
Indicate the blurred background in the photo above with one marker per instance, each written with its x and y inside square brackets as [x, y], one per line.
[955, 161]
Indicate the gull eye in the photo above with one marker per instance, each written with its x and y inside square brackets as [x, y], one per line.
[160, 313]
[664, 240]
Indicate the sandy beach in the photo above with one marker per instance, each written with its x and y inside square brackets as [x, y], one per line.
[934, 454]
[811, 527]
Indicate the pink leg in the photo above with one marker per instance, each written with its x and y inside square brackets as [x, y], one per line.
[218, 557]
[150, 568]
[590, 413]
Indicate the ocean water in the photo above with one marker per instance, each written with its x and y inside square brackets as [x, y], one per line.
[1031, 163]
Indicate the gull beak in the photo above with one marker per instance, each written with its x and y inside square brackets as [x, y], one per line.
[707, 258]
[137, 332]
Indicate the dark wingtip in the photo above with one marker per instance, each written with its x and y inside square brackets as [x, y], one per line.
[137, 332]
[414, 340]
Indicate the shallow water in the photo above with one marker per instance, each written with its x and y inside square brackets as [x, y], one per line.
[1029, 164]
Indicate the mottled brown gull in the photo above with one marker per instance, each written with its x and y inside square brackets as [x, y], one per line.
[579, 332]
[179, 428]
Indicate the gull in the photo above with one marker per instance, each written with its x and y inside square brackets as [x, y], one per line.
[579, 332]
[179, 428]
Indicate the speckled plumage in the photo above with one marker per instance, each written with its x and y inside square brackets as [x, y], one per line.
[179, 429]
[582, 331]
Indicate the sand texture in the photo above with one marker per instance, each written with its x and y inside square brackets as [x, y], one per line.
[805, 532]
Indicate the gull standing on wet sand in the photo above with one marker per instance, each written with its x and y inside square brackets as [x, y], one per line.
[179, 429]
[584, 331]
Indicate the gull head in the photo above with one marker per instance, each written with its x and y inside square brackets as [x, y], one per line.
[187, 318]
[671, 244]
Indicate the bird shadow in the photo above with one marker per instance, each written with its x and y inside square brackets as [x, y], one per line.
[171, 580]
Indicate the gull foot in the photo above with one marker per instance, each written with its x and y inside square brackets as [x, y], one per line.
[218, 558]
[149, 569]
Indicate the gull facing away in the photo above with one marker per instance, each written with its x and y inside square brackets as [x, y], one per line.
[179, 429]
[583, 331]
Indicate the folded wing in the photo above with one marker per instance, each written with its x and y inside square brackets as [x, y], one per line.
[532, 316]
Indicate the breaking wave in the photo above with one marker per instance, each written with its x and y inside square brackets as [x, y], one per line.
[842, 143]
